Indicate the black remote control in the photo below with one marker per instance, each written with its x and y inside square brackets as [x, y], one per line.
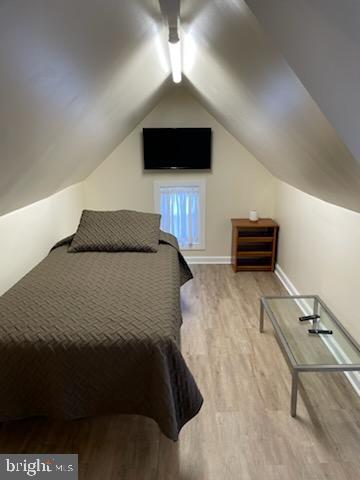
[314, 331]
[309, 317]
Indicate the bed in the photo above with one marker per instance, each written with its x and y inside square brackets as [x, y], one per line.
[98, 332]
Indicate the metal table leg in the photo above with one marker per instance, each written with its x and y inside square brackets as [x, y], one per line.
[294, 390]
[261, 317]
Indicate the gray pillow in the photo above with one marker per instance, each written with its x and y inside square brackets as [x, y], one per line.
[117, 231]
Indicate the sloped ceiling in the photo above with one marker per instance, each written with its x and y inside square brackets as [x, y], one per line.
[76, 76]
[320, 39]
[233, 67]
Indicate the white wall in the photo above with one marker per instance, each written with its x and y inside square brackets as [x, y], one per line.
[236, 184]
[27, 234]
[319, 250]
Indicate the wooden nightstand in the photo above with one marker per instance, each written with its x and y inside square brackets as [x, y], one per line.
[254, 244]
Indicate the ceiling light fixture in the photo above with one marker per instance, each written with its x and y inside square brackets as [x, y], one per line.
[175, 54]
[175, 60]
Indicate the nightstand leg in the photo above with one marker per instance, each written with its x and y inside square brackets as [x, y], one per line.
[294, 390]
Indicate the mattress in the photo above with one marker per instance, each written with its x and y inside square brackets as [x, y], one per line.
[94, 333]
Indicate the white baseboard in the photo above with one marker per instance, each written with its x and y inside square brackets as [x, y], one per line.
[333, 346]
[192, 260]
[291, 289]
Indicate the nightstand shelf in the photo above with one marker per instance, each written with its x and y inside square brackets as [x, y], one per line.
[254, 244]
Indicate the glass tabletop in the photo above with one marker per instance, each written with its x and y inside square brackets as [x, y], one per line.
[337, 348]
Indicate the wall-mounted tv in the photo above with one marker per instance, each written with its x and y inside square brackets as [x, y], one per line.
[177, 148]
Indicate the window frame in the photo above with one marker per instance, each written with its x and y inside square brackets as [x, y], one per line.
[158, 184]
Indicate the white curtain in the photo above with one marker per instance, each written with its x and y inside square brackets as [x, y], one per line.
[180, 213]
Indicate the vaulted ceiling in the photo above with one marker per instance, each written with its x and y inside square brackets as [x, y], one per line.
[77, 76]
[320, 39]
[233, 65]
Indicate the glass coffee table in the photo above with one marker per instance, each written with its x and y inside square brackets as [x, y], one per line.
[304, 351]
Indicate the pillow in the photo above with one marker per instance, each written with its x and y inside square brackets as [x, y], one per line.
[117, 231]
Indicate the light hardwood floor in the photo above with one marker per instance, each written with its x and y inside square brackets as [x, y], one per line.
[244, 430]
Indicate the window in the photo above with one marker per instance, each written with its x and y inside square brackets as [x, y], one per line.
[182, 208]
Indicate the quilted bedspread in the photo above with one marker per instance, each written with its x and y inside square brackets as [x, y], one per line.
[95, 333]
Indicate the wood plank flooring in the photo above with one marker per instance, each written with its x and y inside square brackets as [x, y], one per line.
[244, 430]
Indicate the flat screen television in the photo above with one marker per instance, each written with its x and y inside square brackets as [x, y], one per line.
[177, 148]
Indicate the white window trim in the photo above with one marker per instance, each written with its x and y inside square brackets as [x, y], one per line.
[185, 183]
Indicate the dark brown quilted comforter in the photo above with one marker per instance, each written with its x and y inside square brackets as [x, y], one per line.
[95, 333]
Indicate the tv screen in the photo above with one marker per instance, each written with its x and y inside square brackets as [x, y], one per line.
[177, 148]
